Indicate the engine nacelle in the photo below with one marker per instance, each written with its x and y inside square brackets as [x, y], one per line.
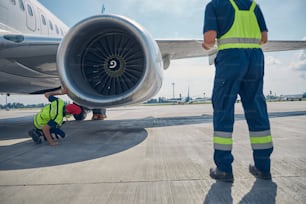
[109, 60]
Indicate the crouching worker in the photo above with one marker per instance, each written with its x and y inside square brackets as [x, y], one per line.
[50, 118]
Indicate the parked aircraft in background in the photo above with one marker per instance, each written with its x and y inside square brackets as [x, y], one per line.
[104, 60]
[292, 97]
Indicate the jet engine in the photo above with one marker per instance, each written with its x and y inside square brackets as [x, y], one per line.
[109, 60]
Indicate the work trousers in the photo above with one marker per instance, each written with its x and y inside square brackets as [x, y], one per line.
[56, 131]
[99, 111]
[240, 71]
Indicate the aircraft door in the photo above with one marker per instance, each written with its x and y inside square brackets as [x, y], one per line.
[3, 13]
[31, 21]
[42, 23]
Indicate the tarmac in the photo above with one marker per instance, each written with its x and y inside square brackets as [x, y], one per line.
[149, 154]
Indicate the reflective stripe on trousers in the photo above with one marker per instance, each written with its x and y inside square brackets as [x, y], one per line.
[223, 140]
[261, 139]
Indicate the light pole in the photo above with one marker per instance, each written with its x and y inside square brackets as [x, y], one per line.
[6, 107]
[173, 84]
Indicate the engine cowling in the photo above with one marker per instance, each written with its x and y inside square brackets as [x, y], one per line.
[109, 60]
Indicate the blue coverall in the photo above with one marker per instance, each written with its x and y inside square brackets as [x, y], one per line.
[238, 71]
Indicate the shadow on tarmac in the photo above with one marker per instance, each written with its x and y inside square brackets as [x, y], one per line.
[86, 140]
[262, 192]
[219, 192]
[76, 147]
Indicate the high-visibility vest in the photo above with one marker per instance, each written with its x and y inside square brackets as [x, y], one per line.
[53, 111]
[244, 32]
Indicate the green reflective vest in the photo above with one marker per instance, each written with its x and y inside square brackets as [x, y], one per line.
[53, 111]
[244, 32]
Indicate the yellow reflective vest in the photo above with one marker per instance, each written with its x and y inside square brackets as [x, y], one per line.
[244, 32]
[54, 111]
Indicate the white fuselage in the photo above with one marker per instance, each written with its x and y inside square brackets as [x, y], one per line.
[29, 17]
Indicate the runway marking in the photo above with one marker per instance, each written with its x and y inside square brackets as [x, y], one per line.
[13, 141]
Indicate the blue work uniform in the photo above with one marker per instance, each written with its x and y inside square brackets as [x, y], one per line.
[239, 70]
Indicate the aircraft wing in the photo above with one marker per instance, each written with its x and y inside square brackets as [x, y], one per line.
[280, 45]
[179, 49]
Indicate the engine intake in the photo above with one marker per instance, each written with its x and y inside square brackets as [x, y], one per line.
[109, 60]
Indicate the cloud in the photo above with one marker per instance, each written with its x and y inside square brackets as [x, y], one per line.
[163, 19]
[167, 6]
[300, 64]
[270, 60]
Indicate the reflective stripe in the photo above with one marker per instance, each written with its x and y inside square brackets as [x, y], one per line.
[221, 140]
[222, 134]
[221, 143]
[241, 46]
[261, 140]
[223, 147]
[260, 133]
[262, 146]
[239, 41]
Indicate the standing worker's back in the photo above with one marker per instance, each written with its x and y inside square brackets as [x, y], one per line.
[240, 28]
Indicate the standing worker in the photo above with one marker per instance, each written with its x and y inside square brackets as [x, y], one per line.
[50, 119]
[240, 29]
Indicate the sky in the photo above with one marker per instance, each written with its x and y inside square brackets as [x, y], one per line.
[285, 72]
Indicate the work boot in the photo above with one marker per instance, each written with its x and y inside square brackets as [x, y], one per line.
[35, 136]
[98, 117]
[259, 174]
[216, 174]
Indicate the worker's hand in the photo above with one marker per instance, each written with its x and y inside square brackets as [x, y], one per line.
[204, 46]
[209, 39]
[57, 92]
[46, 131]
[47, 94]
[53, 143]
[64, 90]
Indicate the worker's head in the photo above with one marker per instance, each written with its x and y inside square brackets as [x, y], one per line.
[73, 109]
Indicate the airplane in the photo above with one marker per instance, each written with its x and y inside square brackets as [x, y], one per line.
[104, 61]
[292, 97]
